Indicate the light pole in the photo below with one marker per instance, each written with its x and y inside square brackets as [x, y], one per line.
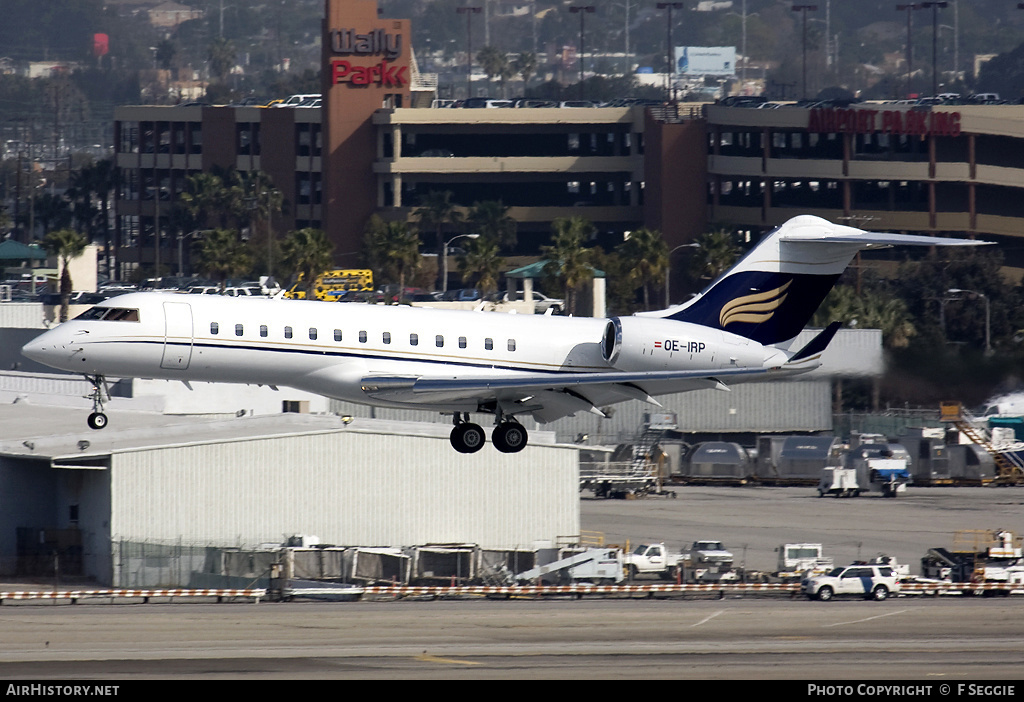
[988, 315]
[444, 258]
[469, 12]
[910, 52]
[582, 11]
[803, 9]
[670, 61]
[668, 269]
[935, 7]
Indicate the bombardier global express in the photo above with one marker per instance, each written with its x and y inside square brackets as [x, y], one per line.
[463, 362]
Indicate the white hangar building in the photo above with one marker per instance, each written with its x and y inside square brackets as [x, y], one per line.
[245, 481]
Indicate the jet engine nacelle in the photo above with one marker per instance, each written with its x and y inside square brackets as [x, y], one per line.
[649, 343]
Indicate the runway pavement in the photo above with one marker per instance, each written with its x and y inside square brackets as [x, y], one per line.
[909, 640]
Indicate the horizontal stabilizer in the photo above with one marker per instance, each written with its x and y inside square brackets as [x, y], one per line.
[873, 240]
[818, 344]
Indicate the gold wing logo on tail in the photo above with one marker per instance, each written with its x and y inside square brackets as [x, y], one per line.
[754, 309]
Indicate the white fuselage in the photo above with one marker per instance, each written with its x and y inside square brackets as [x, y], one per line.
[329, 348]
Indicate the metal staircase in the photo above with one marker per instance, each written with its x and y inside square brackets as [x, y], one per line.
[1009, 464]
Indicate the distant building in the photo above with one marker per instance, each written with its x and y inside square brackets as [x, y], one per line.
[168, 15]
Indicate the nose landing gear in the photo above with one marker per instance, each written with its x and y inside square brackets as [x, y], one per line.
[100, 394]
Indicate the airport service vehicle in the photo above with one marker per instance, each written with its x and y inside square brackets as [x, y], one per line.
[800, 560]
[882, 468]
[712, 552]
[652, 559]
[739, 329]
[977, 556]
[330, 285]
[873, 582]
[601, 566]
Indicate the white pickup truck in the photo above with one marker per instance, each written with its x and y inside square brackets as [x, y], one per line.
[709, 553]
[652, 559]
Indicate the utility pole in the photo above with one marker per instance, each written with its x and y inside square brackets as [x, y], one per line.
[803, 9]
[670, 62]
[582, 10]
[469, 12]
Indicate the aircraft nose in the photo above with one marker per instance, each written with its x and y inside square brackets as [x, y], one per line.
[46, 348]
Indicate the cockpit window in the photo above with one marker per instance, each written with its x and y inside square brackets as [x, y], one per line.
[110, 314]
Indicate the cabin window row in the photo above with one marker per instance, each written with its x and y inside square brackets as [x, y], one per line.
[386, 337]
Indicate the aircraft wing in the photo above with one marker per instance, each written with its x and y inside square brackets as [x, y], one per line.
[549, 396]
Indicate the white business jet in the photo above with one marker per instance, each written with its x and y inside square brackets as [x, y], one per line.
[460, 362]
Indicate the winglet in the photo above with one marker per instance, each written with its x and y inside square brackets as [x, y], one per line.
[817, 344]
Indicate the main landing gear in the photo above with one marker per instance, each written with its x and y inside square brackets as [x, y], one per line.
[100, 394]
[509, 436]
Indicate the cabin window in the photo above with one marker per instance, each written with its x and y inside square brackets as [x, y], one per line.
[287, 332]
[337, 335]
[439, 341]
[263, 330]
[239, 330]
[511, 344]
[462, 342]
[387, 337]
[489, 344]
[362, 337]
[214, 328]
[312, 333]
[414, 340]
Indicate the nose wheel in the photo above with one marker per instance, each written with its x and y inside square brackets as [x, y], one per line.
[100, 394]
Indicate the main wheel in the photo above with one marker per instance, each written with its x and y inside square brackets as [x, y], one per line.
[467, 438]
[509, 437]
[825, 593]
[97, 420]
[880, 593]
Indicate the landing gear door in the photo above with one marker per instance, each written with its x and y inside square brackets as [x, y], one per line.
[177, 335]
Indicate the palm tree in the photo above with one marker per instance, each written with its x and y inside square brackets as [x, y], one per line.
[869, 310]
[66, 244]
[481, 263]
[222, 255]
[436, 210]
[490, 219]
[645, 255]
[568, 258]
[526, 65]
[213, 197]
[714, 254]
[52, 212]
[392, 248]
[308, 252]
[260, 201]
[221, 57]
[493, 61]
[104, 180]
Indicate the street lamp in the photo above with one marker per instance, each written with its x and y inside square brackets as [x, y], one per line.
[910, 52]
[988, 315]
[803, 9]
[582, 11]
[668, 269]
[935, 6]
[469, 12]
[670, 61]
[444, 258]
